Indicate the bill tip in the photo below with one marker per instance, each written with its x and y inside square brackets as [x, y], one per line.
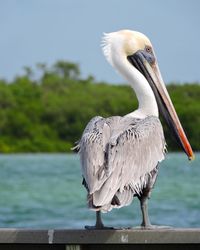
[192, 157]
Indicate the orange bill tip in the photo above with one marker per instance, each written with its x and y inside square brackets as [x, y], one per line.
[192, 157]
[186, 145]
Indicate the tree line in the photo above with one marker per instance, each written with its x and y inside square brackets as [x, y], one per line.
[49, 113]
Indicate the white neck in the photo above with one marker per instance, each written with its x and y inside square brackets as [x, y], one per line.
[146, 99]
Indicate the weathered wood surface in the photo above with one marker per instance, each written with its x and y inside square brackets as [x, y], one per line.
[79, 237]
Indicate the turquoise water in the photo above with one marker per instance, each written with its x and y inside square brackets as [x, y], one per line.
[45, 191]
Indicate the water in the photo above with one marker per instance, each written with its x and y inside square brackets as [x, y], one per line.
[45, 191]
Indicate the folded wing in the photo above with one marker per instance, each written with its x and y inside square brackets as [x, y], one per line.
[118, 155]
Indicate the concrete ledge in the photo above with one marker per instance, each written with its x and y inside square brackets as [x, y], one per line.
[81, 237]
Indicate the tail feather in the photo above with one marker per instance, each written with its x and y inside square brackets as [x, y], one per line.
[120, 199]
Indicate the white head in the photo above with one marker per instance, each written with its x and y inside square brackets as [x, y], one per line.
[124, 42]
[117, 48]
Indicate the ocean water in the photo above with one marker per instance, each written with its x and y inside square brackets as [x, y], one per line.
[45, 191]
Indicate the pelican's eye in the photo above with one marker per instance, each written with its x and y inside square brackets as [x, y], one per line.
[148, 49]
[149, 55]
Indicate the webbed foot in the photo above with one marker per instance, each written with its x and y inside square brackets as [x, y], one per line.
[98, 227]
[99, 224]
[154, 227]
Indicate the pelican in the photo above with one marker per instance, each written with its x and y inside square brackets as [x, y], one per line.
[120, 155]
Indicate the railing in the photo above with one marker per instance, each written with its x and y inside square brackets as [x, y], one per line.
[21, 239]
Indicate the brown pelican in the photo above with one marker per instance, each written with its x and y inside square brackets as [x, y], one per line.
[120, 155]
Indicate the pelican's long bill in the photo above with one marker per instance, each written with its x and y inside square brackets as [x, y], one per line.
[146, 63]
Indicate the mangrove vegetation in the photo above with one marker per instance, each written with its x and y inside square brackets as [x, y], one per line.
[48, 112]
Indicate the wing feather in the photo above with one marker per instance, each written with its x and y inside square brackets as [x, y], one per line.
[142, 146]
[118, 155]
[133, 152]
[92, 152]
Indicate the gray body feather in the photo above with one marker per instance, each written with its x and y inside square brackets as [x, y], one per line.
[118, 155]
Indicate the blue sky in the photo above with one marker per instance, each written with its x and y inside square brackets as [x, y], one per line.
[35, 31]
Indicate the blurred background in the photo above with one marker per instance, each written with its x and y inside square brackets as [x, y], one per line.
[54, 79]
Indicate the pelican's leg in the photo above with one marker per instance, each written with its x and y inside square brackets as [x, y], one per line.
[99, 224]
[146, 192]
[146, 224]
[145, 214]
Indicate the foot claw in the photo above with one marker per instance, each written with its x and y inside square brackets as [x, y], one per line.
[98, 227]
[153, 227]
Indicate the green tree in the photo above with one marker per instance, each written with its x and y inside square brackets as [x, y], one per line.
[67, 70]
[49, 114]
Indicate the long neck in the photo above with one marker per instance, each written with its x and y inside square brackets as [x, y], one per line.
[144, 93]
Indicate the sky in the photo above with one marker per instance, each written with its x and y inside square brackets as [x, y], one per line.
[44, 31]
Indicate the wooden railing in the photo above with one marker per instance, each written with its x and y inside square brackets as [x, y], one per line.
[21, 239]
